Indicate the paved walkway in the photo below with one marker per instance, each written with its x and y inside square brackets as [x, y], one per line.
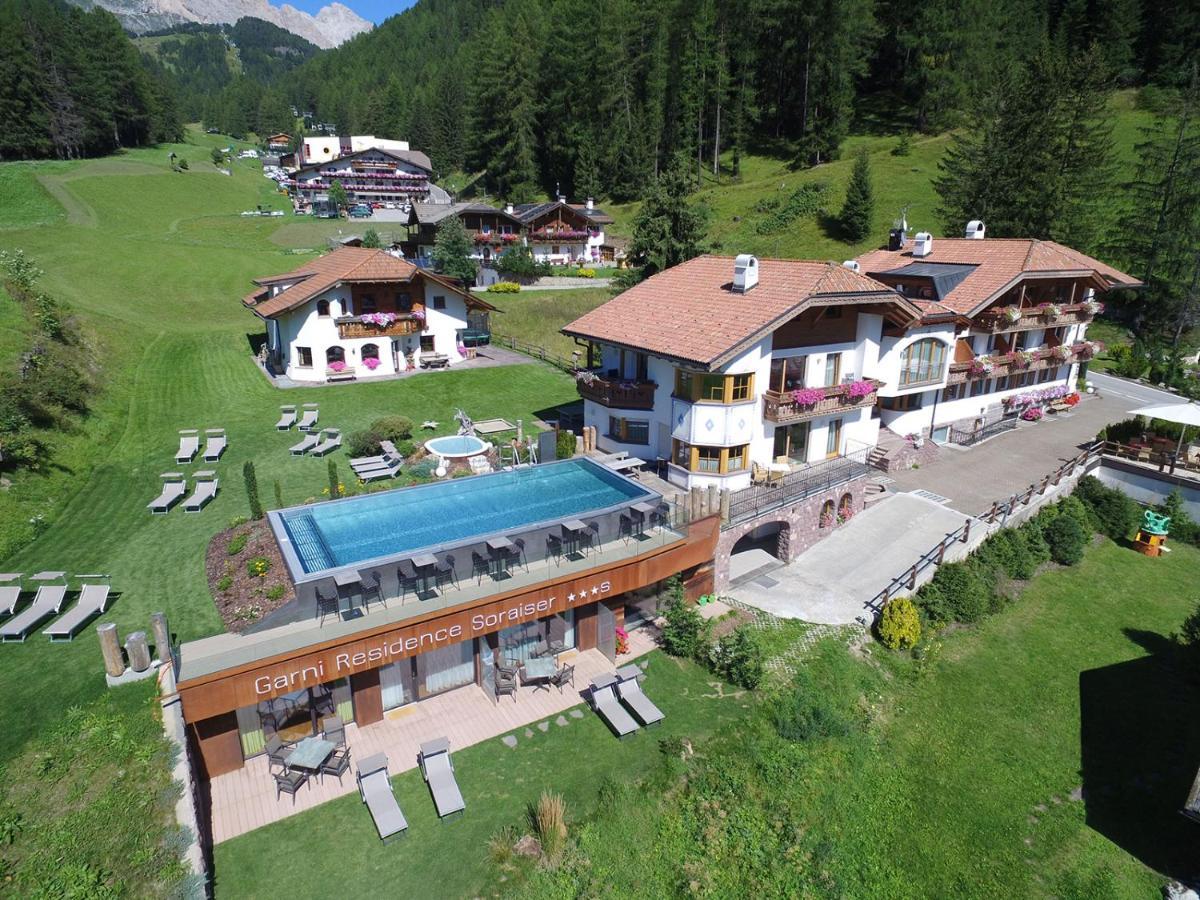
[830, 583]
[485, 358]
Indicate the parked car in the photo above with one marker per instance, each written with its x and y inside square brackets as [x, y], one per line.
[361, 212]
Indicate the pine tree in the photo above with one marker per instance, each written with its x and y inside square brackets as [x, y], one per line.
[452, 249]
[667, 229]
[859, 208]
[371, 239]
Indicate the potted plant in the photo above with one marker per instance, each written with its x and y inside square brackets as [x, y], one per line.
[371, 362]
[979, 367]
[1032, 414]
[1012, 314]
[807, 396]
[858, 389]
[1050, 310]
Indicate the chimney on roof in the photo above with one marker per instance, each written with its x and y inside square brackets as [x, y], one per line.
[897, 238]
[975, 230]
[852, 265]
[508, 208]
[745, 272]
[562, 198]
[590, 204]
[923, 244]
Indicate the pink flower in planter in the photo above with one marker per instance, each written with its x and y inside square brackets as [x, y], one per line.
[371, 363]
[859, 389]
[337, 366]
[807, 396]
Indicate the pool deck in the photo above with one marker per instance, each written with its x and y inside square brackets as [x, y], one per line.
[245, 799]
[223, 651]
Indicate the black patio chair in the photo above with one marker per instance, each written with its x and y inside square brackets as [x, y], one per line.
[505, 687]
[288, 783]
[327, 606]
[277, 752]
[480, 566]
[337, 765]
[518, 553]
[334, 730]
[409, 580]
[443, 572]
[562, 676]
[590, 537]
[625, 527]
[372, 589]
[554, 548]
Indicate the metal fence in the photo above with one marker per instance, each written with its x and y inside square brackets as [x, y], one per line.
[968, 437]
[796, 486]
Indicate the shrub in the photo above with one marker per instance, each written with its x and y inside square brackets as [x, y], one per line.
[1035, 545]
[405, 448]
[276, 592]
[900, 625]
[1073, 507]
[903, 145]
[393, 428]
[586, 273]
[238, 520]
[807, 712]
[967, 594]
[549, 817]
[331, 471]
[224, 583]
[238, 543]
[256, 510]
[217, 155]
[1005, 553]
[183, 164]
[1066, 539]
[258, 567]
[1182, 528]
[1112, 513]
[738, 658]
[1189, 632]
[504, 287]
[685, 632]
[278, 494]
[423, 469]
[364, 443]
[564, 444]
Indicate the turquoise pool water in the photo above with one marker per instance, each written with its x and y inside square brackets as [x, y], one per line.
[345, 532]
[456, 445]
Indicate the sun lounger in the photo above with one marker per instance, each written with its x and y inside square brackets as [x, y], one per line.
[46, 603]
[174, 487]
[287, 418]
[389, 456]
[331, 439]
[604, 701]
[308, 421]
[93, 598]
[383, 472]
[189, 445]
[310, 441]
[630, 692]
[375, 788]
[214, 444]
[10, 592]
[385, 461]
[438, 769]
[205, 489]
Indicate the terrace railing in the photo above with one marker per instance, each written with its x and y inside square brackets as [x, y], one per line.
[757, 499]
[615, 392]
[782, 407]
[1023, 319]
[1014, 363]
[355, 327]
[969, 437]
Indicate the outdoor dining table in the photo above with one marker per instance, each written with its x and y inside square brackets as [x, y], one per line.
[574, 530]
[310, 754]
[424, 565]
[644, 512]
[541, 671]
[499, 548]
[348, 585]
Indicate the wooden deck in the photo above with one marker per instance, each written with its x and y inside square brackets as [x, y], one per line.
[245, 799]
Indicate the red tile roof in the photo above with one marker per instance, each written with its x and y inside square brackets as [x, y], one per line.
[691, 312]
[345, 265]
[999, 262]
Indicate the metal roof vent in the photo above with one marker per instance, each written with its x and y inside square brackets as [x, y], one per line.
[975, 230]
[745, 272]
[508, 208]
[922, 244]
[852, 265]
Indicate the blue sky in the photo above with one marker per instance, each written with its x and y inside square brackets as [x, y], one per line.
[375, 10]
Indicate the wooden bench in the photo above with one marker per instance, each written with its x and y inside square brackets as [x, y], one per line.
[347, 374]
[1058, 406]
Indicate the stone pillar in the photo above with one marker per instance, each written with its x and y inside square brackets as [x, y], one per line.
[162, 636]
[138, 650]
[110, 648]
[710, 500]
[725, 501]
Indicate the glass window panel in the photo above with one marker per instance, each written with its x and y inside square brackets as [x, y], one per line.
[395, 679]
[709, 459]
[447, 667]
[250, 730]
[712, 387]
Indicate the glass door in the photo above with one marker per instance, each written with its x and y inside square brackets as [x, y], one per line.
[606, 632]
[396, 683]
[833, 439]
[833, 369]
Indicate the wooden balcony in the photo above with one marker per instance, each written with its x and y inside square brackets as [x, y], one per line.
[354, 327]
[615, 392]
[996, 320]
[1015, 363]
[782, 408]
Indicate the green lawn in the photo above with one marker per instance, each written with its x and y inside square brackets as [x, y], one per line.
[344, 857]
[1044, 752]
[537, 316]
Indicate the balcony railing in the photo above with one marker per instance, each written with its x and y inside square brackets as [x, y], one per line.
[799, 406]
[355, 327]
[796, 486]
[1018, 361]
[1011, 318]
[616, 392]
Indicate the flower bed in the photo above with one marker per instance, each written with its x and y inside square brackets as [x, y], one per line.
[243, 598]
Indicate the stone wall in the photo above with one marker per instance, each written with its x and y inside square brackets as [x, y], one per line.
[199, 884]
[907, 456]
[800, 527]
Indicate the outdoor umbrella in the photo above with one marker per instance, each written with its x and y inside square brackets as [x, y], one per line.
[1184, 414]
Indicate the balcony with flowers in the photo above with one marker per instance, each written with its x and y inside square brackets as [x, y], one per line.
[558, 234]
[615, 393]
[496, 238]
[786, 407]
[381, 324]
[1001, 364]
[1044, 315]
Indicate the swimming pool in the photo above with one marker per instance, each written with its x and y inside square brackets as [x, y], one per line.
[457, 446]
[357, 529]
